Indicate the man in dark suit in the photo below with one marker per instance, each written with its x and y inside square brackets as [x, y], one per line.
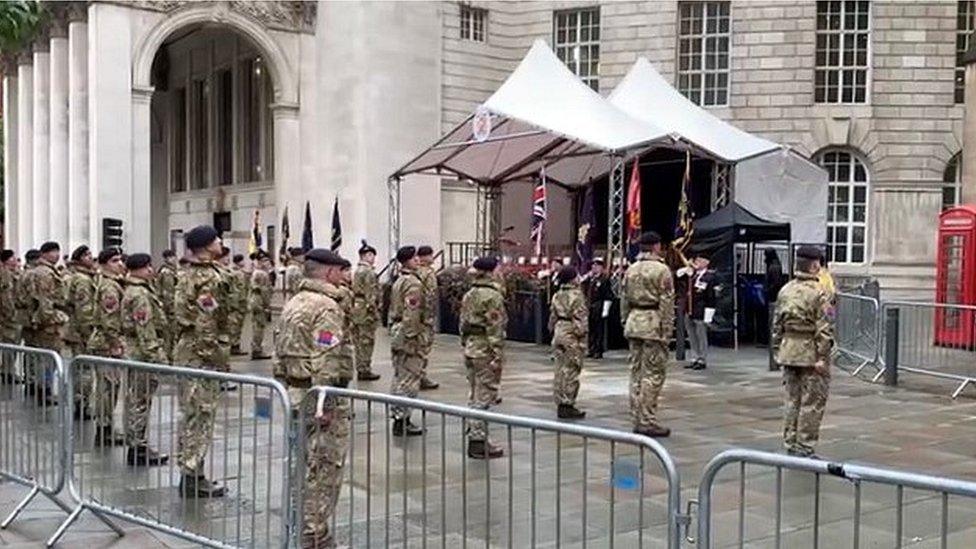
[599, 295]
[701, 290]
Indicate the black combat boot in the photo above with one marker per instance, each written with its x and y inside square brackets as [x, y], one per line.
[144, 456]
[482, 449]
[653, 431]
[198, 487]
[428, 385]
[403, 428]
[259, 356]
[367, 376]
[568, 411]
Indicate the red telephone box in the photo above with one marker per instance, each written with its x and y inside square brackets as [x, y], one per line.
[956, 277]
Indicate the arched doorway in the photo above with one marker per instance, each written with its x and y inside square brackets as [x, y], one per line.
[212, 92]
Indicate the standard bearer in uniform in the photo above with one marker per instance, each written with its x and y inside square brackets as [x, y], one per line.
[365, 312]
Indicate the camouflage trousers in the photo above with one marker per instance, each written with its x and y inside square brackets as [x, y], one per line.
[259, 324]
[140, 390]
[39, 369]
[648, 367]
[83, 382]
[483, 376]
[364, 336]
[428, 347]
[107, 386]
[569, 364]
[326, 444]
[806, 399]
[236, 322]
[408, 370]
[198, 408]
[8, 360]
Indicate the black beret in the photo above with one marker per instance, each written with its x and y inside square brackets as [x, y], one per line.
[566, 275]
[200, 237]
[79, 252]
[650, 238]
[184, 261]
[224, 251]
[424, 251]
[137, 261]
[259, 255]
[107, 254]
[346, 264]
[238, 258]
[296, 251]
[809, 252]
[323, 256]
[168, 254]
[6, 255]
[50, 247]
[406, 253]
[486, 263]
[32, 255]
[366, 248]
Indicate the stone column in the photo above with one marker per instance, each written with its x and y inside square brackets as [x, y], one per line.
[58, 147]
[969, 130]
[287, 166]
[11, 183]
[41, 190]
[25, 152]
[140, 235]
[78, 211]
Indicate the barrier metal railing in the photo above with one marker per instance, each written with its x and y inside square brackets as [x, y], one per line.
[33, 452]
[857, 332]
[802, 505]
[556, 483]
[248, 451]
[932, 339]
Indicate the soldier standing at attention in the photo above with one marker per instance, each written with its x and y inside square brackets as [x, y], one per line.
[242, 287]
[46, 315]
[25, 298]
[307, 351]
[165, 282]
[568, 324]
[9, 323]
[482, 326]
[343, 296]
[428, 277]
[260, 305]
[144, 325]
[234, 298]
[80, 306]
[106, 340]
[408, 338]
[802, 340]
[293, 270]
[201, 315]
[647, 309]
[365, 312]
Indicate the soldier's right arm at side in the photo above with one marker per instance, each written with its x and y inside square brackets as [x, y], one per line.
[46, 296]
[624, 301]
[412, 322]
[824, 328]
[580, 314]
[666, 302]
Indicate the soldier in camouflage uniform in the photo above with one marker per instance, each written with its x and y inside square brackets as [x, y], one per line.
[293, 270]
[106, 340]
[25, 296]
[80, 306]
[242, 288]
[144, 326]
[165, 282]
[647, 309]
[45, 314]
[308, 351]
[201, 316]
[428, 277]
[482, 325]
[568, 319]
[408, 338]
[802, 341]
[342, 294]
[260, 305]
[9, 322]
[365, 312]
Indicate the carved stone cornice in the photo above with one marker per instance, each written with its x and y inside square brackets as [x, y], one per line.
[42, 42]
[77, 12]
[290, 15]
[57, 18]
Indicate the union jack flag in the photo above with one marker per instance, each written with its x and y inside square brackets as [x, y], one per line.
[539, 212]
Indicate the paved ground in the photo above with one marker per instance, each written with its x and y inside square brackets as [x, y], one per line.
[429, 492]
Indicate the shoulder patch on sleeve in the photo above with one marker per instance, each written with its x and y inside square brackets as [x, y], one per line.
[140, 316]
[110, 303]
[207, 303]
[325, 339]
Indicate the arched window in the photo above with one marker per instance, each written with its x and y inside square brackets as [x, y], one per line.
[847, 206]
[952, 182]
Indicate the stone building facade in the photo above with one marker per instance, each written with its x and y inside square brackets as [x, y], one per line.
[124, 110]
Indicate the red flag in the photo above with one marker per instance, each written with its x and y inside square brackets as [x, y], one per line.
[634, 203]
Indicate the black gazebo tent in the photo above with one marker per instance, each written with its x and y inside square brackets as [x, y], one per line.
[715, 238]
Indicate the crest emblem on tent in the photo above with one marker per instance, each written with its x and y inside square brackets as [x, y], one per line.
[481, 124]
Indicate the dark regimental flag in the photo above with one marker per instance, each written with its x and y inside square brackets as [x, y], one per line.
[584, 236]
[539, 212]
[308, 242]
[336, 227]
[255, 243]
[634, 210]
[684, 224]
[285, 233]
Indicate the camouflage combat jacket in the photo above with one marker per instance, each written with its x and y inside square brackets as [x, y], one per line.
[408, 318]
[259, 300]
[428, 277]
[310, 335]
[106, 337]
[483, 319]
[45, 294]
[9, 319]
[201, 317]
[802, 333]
[79, 303]
[366, 291]
[144, 322]
[166, 287]
[568, 315]
[647, 300]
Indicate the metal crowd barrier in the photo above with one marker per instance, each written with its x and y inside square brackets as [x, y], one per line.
[557, 482]
[932, 339]
[249, 453]
[33, 452]
[857, 332]
[881, 507]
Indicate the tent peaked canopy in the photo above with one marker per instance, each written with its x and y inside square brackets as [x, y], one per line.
[646, 95]
[543, 115]
[733, 223]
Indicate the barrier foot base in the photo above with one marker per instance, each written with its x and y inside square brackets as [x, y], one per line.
[73, 517]
[20, 507]
[959, 390]
[859, 368]
[878, 375]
